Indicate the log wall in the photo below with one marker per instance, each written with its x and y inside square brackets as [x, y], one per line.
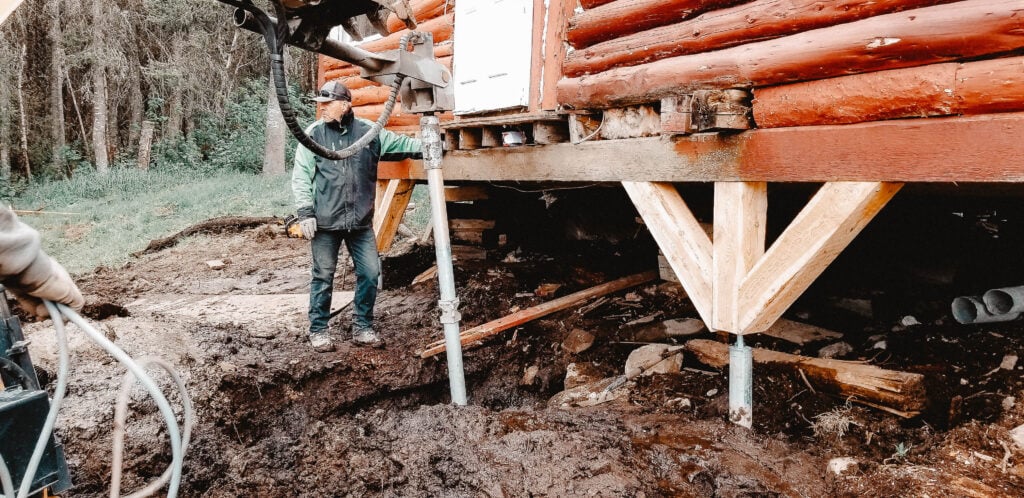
[807, 62]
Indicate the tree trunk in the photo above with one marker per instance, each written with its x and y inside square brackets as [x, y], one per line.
[145, 143]
[21, 110]
[78, 114]
[56, 85]
[174, 112]
[136, 104]
[99, 100]
[273, 152]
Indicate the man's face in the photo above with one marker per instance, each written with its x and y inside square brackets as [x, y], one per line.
[334, 110]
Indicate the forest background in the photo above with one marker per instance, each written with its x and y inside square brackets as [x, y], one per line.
[88, 84]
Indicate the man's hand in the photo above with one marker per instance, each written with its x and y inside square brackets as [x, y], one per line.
[308, 227]
[28, 272]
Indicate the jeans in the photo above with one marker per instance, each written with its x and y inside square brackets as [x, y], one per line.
[362, 245]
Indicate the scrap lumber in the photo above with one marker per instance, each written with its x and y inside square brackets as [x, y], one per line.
[900, 393]
[520, 317]
[623, 17]
[980, 87]
[971, 28]
[755, 21]
[799, 333]
[387, 218]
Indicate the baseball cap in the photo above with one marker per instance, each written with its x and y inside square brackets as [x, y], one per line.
[333, 90]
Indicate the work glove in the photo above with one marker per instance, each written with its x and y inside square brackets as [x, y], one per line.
[28, 272]
[308, 227]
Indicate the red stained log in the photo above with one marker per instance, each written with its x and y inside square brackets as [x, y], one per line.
[441, 27]
[917, 37]
[590, 4]
[936, 90]
[623, 17]
[760, 20]
[370, 95]
[423, 10]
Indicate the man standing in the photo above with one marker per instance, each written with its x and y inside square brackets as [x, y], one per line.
[334, 201]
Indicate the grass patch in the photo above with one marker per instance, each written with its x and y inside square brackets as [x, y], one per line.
[120, 212]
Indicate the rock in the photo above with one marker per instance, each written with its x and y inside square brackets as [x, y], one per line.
[909, 321]
[650, 359]
[215, 264]
[590, 394]
[835, 350]
[228, 367]
[879, 345]
[711, 393]
[1009, 361]
[578, 374]
[840, 465]
[529, 375]
[679, 403]
[683, 327]
[1017, 435]
[578, 341]
[1008, 403]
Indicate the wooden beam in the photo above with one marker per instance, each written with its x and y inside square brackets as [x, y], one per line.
[957, 149]
[935, 90]
[755, 21]
[555, 50]
[520, 317]
[623, 17]
[901, 393]
[392, 209]
[970, 28]
[680, 237]
[741, 210]
[465, 193]
[537, 55]
[833, 217]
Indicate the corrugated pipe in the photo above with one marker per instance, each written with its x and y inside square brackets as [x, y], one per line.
[974, 309]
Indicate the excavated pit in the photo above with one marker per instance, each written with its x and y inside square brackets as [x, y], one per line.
[276, 419]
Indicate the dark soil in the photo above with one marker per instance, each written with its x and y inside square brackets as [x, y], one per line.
[276, 419]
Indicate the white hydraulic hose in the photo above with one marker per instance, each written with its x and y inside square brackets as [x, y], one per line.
[58, 397]
[121, 416]
[177, 454]
[5, 479]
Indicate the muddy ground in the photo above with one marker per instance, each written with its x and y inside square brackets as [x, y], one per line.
[275, 419]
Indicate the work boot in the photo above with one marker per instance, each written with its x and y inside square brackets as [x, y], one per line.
[365, 336]
[321, 342]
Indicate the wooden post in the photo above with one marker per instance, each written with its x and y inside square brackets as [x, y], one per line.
[392, 208]
[146, 144]
[741, 210]
[833, 217]
[680, 237]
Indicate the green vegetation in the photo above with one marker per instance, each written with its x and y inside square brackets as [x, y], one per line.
[121, 211]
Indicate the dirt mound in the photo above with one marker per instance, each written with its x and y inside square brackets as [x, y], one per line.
[276, 419]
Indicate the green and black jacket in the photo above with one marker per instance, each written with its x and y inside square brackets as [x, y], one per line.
[340, 194]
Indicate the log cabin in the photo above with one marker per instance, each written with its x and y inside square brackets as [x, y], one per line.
[859, 97]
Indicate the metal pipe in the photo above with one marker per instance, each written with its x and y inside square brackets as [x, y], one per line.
[1005, 300]
[741, 385]
[430, 131]
[331, 48]
[971, 309]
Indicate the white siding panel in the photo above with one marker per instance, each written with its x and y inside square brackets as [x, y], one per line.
[493, 45]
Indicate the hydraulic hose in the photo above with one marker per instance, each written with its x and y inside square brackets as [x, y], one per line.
[6, 483]
[15, 370]
[276, 35]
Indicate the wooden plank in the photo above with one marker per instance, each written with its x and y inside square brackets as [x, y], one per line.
[679, 236]
[465, 224]
[970, 28]
[465, 193]
[451, 140]
[630, 122]
[537, 57]
[382, 187]
[903, 392]
[832, 218]
[490, 137]
[470, 138]
[623, 17]
[489, 329]
[799, 333]
[550, 132]
[504, 118]
[755, 21]
[958, 149]
[935, 90]
[555, 50]
[392, 208]
[677, 114]
[741, 210]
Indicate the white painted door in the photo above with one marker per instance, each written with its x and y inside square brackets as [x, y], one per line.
[493, 45]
